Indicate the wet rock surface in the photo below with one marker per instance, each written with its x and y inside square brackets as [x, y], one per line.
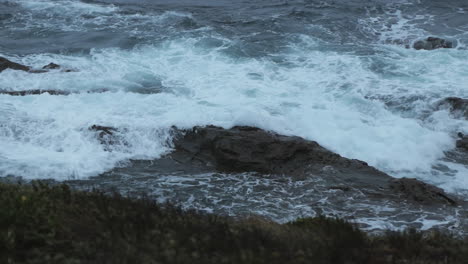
[7, 64]
[458, 107]
[34, 92]
[247, 170]
[50, 92]
[432, 43]
[462, 143]
[250, 149]
[421, 192]
[108, 136]
[245, 149]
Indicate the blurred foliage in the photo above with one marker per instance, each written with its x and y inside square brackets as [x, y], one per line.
[54, 224]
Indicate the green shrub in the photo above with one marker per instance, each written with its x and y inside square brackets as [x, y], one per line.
[54, 224]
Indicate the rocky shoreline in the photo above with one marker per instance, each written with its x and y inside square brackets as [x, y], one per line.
[342, 182]
[222, 152]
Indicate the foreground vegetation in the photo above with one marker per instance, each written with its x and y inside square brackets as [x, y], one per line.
[53, 224]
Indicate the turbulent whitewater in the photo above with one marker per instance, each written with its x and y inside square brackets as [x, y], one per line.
[336, 72]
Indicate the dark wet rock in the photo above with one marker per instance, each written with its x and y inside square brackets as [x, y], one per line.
[250, 149]
[432, 43]
[51, 66]
[421, 192]
[7, 64]
[242, 149]
[51, 92]
[103, 130]
[462, 143]
[458, 107]
[108, 136]
[34, 92]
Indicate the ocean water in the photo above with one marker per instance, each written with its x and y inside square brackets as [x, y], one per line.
[336, 72]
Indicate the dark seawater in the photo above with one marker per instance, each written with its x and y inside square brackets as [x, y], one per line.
[337, 72]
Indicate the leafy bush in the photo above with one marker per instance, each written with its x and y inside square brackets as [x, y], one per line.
[53, 224]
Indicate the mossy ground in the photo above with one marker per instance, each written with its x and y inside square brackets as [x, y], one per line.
[53, 224]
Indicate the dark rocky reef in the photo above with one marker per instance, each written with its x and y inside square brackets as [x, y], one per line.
[462, 142]
[432, 43]
[458, 107]
[34, 92]
[250, 149]
[242, 148]
[7, 64]
[51, 92]
[108, 136]
[421, 192]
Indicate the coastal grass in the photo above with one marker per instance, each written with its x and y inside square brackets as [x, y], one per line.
[55, 224]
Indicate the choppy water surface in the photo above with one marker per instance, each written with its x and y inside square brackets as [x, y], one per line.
[336, 72]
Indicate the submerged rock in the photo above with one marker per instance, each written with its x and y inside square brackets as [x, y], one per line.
[458, 107]
[462, 143]
[108, 137]
[51, 92]
[432, 43]
[421, 192]
[34, 92]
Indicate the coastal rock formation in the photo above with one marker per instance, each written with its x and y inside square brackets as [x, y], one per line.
[7, 64]
[34, 92]
[109, 137]
[241, 149]
[51, 92]
[244, 149]
[462, 143]
[249, 149]
[432, 43]
[421, 192]
[51, 66]
[458, 107]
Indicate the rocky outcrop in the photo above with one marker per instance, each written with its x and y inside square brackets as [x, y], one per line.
[34, 92]
[51, 66]
[242, 149]
[432, 43]
[462, 143]
[50, 92]
[7, 64]
[421, 192]
[109, 137]
[458, 107]
[248, 149]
